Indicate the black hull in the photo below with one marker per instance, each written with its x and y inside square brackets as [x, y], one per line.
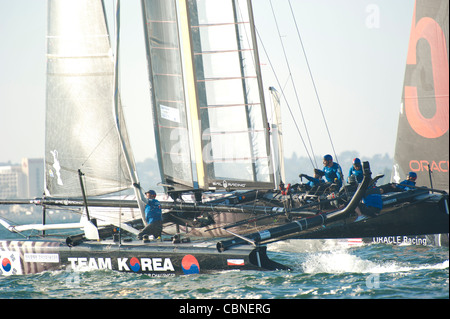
[157, 259]
[408, 219]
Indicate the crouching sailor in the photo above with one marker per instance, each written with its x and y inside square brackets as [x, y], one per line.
[153, 216]
[371, 204]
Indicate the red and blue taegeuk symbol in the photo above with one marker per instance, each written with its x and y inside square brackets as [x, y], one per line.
[190, 265]
[134, 264]
[6, 264]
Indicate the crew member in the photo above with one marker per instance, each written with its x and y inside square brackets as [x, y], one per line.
[371, 204]
[403, 186]
[153, 216]
[332, 171]
[409, 181]
[356, 170]
[316, 180]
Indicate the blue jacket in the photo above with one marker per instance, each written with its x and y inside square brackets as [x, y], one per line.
[403, 185]
[358, 173]
[153, 211]
[373, 200]
[332, 173]
[313, 181]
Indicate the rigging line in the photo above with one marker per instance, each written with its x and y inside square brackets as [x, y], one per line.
[317, 94]
[284, 96]
[292, 80]
[312, 79]
[247, 37]
[116, 7]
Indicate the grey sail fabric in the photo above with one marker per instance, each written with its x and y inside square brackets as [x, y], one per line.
[169, 105]
[423, 127]
[232, 115]
[81, 133]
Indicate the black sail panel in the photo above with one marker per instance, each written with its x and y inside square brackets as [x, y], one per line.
[168, 97]
[423, 137]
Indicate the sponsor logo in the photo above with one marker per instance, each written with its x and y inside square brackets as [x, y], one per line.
[226, 184]
[398, 240]
[145, 264]
[429, 30]
[57, 166]
[422, 166]
[123, 264]
[41, 258]
[84, 263]
[190, 265]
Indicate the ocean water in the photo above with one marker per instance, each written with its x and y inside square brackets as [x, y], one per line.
[320, 270]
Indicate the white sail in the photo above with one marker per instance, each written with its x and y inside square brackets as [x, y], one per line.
[81, 131]
[85, 124]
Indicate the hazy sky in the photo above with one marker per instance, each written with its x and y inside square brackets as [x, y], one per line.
[356, 50]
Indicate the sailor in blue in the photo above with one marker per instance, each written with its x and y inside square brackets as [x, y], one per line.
[153, 216]
[371, 204]
[332, 171]
[316, 180]
[409, 181]
[356, 170]
[403, 186]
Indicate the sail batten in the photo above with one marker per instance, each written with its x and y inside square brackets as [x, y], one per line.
[229, 105]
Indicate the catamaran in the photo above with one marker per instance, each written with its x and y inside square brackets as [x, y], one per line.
[206, 95]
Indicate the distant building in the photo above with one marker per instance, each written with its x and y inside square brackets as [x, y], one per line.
[12, 181]
[22, 181]
[33, 168]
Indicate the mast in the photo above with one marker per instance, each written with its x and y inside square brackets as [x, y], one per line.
[192, 93]
[277, 138]
[119, 120]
